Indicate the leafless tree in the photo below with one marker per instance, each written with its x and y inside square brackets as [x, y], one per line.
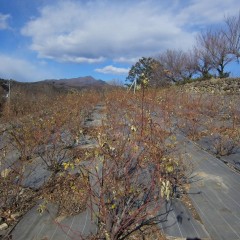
[190, 63]
[232, 34]
[214, 50]
[177, 65]
[203, 62]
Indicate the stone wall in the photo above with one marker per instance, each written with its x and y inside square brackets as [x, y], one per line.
[223, 86]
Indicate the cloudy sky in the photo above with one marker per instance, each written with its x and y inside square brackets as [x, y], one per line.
[42, 39]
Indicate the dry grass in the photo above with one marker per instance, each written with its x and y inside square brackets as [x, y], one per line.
[69, 192]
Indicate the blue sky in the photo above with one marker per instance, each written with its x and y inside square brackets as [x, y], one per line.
[44, 39]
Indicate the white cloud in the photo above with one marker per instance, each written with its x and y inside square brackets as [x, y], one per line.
[126, 60]
[21, 70]
[207, 12]
[92, 31]
[81, 59]
[113, 70]
[3, 21]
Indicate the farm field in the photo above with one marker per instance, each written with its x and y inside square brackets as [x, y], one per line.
[119, 120]
[110, 164]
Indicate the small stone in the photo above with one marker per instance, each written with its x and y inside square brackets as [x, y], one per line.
[3, 226]
[14, 216]
[21, 192]
[5, 172]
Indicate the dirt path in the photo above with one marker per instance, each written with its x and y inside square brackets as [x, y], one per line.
[214, 191]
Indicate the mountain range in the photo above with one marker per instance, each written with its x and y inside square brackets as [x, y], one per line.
[80, 82]
[48, 87]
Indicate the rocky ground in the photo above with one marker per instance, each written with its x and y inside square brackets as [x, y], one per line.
[222, 86]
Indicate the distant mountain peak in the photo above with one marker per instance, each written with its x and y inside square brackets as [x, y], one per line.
[78, 82]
